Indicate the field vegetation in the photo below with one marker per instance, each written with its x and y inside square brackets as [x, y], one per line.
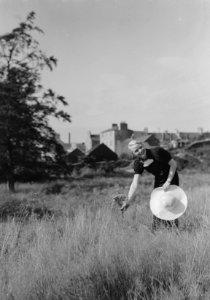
[65, 240]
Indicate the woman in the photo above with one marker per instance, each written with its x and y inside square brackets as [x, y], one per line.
[158, 162]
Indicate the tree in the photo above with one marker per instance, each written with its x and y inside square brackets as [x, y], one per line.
[26, 138]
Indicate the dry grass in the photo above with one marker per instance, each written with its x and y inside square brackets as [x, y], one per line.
[89, 251]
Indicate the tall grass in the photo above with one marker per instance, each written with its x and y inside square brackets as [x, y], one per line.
[95, 253]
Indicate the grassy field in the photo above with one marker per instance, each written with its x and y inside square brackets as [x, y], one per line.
[86, 250]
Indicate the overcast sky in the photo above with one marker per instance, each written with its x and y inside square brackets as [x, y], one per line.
[146, 62]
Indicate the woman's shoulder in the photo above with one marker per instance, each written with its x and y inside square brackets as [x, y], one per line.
[138, 166]
[159, 153]
[156, 150]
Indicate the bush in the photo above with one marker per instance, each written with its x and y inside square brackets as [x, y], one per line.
[23, 209]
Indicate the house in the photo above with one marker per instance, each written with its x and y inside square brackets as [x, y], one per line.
[80, 146]
[191, 136]
[205, 135]
[114, 136]
[75, 156]
[101, 153]
[167, 139]
[182, 139]
[176, 139]
[117, 138]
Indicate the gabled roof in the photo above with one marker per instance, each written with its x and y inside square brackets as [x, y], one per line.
[102, 145]
[145, 137]
[76, 151]
[102, 152]
[136, 135]
[110, 129]
[75, 155]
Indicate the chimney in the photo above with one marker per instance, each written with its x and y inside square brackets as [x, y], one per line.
[123, 126]
[114, 126]
[69, 138]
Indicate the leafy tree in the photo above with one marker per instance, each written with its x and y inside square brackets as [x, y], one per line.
[26, 138]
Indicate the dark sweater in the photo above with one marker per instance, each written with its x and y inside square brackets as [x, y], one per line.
[159, 167]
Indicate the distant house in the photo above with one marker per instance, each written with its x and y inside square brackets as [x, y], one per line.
[75, 156]
[182, 139]
[117, 138]
[177, 139]
[80, 146]
[205, 135]
[101, 153]
[191, 136]
[167, 139]
[92, 140]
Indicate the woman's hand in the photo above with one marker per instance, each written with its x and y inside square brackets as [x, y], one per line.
[166, 185]
[124, 206]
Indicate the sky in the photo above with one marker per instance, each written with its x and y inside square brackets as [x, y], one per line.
[144, 62]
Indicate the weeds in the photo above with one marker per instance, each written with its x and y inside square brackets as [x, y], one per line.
[90, 252]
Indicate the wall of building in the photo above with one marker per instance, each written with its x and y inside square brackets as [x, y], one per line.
[88, 141]
[91, 141]
[114, 138]
[122, 147]
[108, 138]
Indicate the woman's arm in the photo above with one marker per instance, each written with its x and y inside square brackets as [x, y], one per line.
[172, 170]
[132, 191]
[133, 188]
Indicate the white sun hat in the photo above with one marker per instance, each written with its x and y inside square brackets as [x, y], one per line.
[170, 204]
